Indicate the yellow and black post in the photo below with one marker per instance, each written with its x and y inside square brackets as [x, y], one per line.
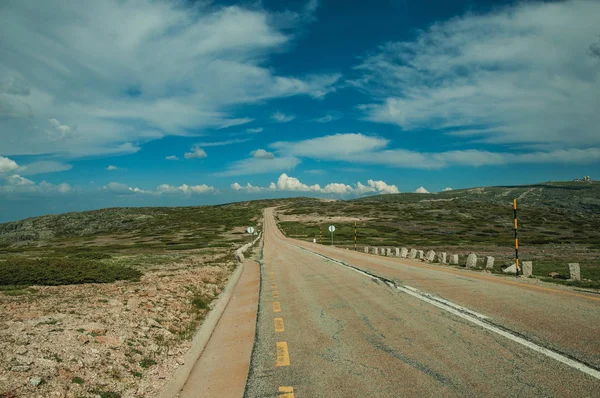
[354, 235]
[517, 267]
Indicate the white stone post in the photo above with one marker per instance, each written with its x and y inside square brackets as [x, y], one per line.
[574, 271]
[527, 268]
[489, 264]
[471, 260]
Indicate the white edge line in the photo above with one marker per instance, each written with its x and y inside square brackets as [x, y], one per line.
[458, 311]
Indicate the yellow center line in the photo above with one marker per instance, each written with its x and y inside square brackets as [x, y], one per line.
[278, 325]
[275, 294]
[273, 286]
[272, 275]
[283, 357]
[276, 306]
[286, 392]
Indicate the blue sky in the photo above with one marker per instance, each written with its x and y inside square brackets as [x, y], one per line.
[142, 103]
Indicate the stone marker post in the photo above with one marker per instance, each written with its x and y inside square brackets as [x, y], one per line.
[527, 268]
[388, 252]
[420, 255]
[471, 260]
[397, 252]
[489, 264]
[442, 258]
[575, 271]
[367, 249]
[375, 251]
[413, 253]
[430, 256]
[404, 252]
[454, 259]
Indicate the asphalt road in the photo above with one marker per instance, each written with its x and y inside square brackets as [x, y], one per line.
[404, 328]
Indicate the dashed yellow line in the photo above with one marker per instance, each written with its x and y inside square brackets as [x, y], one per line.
[286, 392]
[283, 357]
[272, 275]
[273, 285]
[276, 306]
[275, 293]
[278, 325]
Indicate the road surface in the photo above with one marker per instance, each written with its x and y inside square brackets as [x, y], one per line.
[394, 327]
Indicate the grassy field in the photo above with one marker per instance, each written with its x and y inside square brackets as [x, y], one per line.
[117, 244]
[558, 223]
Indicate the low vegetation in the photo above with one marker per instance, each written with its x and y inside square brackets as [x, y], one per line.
[558, 223]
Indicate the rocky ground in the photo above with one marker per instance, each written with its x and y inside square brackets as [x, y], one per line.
[105, 340]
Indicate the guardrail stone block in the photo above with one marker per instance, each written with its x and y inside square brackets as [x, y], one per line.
[471, 260]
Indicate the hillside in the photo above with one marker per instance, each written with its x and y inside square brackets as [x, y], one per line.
[559, 222]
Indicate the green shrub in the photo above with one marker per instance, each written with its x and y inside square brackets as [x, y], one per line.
[62, 271]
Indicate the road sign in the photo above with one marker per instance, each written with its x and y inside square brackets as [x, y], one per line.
[250, 230]
[331, 228]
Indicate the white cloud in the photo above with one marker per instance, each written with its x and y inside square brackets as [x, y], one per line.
[111, 167]
[332, 147]
[18, 180]
[262, 154]
[223, 143]
[41, 167]
[95, 79]
[117, 187]
[260, 166]
[282, 118]
[292, 184]
[330, 117]
[526, 75]
[421, 190]
[172, 157]
[196, 153]
[286, 183]
[248, 187]
[447, 189]
[7, 165]
[163, 189]
[255, 130]
[359, 148]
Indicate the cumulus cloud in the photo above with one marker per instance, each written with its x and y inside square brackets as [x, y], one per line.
[195, 153]
[255, 130]
[111, 167]
[421, 190]
[7, 165]
[292, 184]
[262, 154]
[82, 86]
[525, 75]
[172, 157]
[282, 118]
[163, 189]
[447, 189]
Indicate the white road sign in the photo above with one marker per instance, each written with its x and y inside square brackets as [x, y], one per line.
[331, 228]
[250, 230]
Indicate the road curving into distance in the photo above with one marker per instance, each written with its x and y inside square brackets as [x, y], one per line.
[334, 322]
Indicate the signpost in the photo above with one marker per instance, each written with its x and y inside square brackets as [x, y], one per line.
[331, 229]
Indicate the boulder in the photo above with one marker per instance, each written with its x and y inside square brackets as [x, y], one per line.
[404, 252]
[442, 258]
[375, 250]
[413, 253]
[489, 262]
[471, 260]
[420, 255]
[430, 256]
[574, 271]
[388, 251]
[454, 259]
[510, 270]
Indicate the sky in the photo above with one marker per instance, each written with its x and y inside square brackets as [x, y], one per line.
[179, 103]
